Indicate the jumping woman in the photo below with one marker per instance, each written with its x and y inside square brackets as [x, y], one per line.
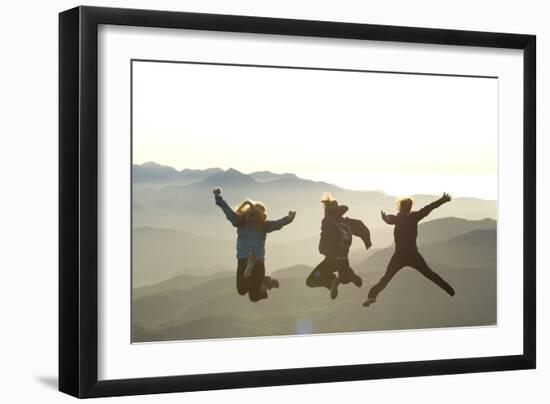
[406, 252]
[335, 242]
[250, 219]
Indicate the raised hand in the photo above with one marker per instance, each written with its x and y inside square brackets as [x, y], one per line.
[217, 191]
[446, 197]
[291, 214]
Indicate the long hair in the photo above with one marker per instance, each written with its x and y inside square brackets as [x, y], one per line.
[331, 204]
[252, 214]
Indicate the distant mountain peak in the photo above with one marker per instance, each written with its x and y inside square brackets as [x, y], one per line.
[269, 176]
[151, 164]
[229, 177]
[155, 172]
[151, 171]
[268, 173]
[199, 173]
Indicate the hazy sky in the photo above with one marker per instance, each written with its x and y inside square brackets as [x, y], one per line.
[399, 133]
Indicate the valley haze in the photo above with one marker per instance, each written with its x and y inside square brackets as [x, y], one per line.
[184, 259]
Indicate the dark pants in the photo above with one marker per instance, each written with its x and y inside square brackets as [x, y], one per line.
[411, 259]
[252, 285]
[323, 274]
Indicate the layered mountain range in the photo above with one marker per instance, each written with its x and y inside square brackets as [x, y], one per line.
[184, 259]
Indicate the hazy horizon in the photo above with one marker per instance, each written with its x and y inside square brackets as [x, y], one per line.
[411, 134]
[429, 190]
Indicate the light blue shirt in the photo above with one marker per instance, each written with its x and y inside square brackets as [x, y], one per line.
[250, 240]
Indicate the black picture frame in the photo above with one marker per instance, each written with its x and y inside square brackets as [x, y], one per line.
[78, 201]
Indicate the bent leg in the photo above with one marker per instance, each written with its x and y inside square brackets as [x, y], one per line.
[242, 284]
[421, 266]
[346, 274]
[270, 282]
[394, 266]
[322, 275]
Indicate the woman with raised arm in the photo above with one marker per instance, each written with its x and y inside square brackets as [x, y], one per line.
[250, 219]
[406, 252]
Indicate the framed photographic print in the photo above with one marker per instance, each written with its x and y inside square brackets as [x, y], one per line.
[250, 201]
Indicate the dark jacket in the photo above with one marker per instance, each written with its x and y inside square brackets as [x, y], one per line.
[406, 226]
[336, 235]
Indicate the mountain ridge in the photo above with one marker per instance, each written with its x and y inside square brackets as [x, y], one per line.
[190, 205]
[211, 172]
[155, 172]
[161, 254]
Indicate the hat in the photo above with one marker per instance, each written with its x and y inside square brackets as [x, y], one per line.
[341, 210]
[333, 209]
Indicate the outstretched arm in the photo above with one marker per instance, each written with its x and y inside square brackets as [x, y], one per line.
[229, 213]
[359, 229]
[426, 210]
[272, 225]
[389, 219]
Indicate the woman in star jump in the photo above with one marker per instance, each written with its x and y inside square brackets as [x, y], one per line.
[250, 219]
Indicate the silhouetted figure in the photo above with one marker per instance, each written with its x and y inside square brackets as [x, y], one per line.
[250, 219]
[406, 252]
[335, 242]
